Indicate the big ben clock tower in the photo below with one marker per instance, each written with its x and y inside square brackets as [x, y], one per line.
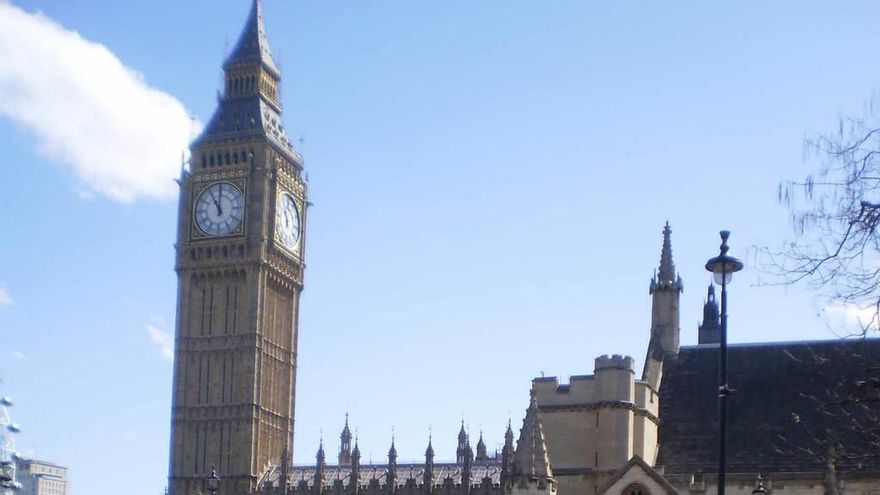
[240, 273]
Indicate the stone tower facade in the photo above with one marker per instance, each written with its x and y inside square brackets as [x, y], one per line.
[595, 423]
[239, 260]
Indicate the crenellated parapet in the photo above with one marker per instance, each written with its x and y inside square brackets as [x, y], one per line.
[615, 361]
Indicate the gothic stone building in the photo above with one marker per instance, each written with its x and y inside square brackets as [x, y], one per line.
[804, 415]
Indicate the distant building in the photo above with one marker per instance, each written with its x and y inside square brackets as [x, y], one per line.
[41, 478]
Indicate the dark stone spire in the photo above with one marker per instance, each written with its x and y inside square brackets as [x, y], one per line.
[428, 478]
[461, 450]
[253, 44]
[710, 328]
[482, 454]
[467, 469]
[391, 477]
[507, 455]
[429, 452]
[319, 467]
[355, 474]
[250, 106]
[345, 444]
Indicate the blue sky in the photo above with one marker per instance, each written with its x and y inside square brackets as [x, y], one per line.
[490, 182]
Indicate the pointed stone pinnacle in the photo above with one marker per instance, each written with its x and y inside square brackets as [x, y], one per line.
[667, 267]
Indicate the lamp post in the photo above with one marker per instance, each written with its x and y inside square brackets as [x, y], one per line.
[723, 267]
[212, 483]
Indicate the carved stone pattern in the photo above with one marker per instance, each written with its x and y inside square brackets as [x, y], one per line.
[291, 271]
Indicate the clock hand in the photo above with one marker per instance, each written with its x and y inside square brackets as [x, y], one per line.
[217, 201]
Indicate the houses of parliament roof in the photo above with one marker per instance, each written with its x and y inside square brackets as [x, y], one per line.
[792, 401]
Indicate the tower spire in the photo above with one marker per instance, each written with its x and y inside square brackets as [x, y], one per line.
[253, 44]
[391, 474]
[344, 457]
[665, 288]
[319, 467]
[482, 452]
[355, 473]
[667, 267]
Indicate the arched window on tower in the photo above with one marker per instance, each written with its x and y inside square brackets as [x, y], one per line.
[635, 489]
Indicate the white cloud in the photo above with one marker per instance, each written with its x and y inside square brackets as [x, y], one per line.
[5, 298]
[162, 339]
[852, 316]
[18, 355]
[121, 137]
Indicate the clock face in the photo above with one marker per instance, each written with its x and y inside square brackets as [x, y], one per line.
[287, 221]
[219, 209]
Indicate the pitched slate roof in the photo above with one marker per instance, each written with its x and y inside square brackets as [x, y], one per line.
[775, 417]
[246, 118]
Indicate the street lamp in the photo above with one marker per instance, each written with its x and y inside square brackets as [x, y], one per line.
[759, 488]
[723, 267]
[212, 483]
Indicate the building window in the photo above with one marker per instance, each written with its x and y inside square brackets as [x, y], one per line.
[635, 489]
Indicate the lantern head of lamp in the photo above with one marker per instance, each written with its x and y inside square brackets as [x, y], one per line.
[723, 266]
[212, 483]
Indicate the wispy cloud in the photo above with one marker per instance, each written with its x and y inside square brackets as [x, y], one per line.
[5, 298]
[163, 340]
[18, 355]
[852, 316]
[121, 137]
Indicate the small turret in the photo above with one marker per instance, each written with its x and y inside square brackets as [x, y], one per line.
[467, 468]
[710, 329]
[428, 478]
[345, 444]
[461, 450]
[482, 454]
[531, 465]
[507, 455]
[320, 464]
[355, 474]
[391, 476]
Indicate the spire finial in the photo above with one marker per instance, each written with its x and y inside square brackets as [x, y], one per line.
[667, 268]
